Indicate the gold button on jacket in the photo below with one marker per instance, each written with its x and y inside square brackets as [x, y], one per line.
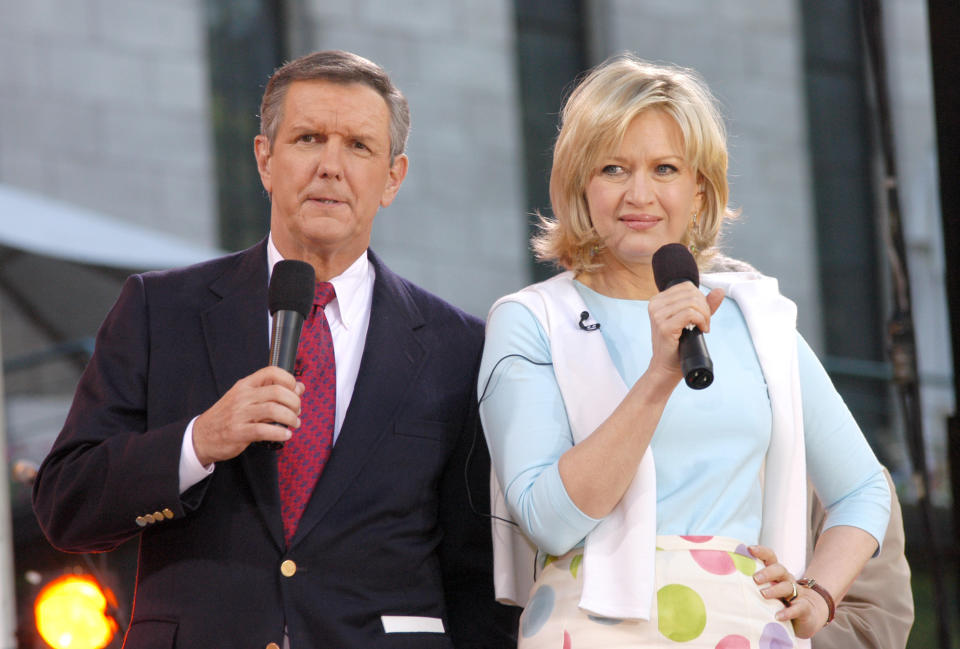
[288, 568]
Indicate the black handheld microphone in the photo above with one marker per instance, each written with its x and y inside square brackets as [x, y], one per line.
[673, 264]
[290, 299]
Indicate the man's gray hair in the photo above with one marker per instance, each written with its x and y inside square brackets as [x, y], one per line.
[339, 67]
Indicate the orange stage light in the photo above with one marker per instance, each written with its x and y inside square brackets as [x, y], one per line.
[71, 613]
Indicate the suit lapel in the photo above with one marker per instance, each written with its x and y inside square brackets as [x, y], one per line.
[236, 332]
[235, 328]
[392, 357]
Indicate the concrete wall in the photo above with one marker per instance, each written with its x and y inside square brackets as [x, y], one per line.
[457, 227]
[104, 104]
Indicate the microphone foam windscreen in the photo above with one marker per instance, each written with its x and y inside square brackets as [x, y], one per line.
[673, 264]
[292, 287]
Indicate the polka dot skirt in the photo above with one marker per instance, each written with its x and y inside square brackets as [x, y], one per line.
[706, 599]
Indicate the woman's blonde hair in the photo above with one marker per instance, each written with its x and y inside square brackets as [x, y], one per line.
[593, 122]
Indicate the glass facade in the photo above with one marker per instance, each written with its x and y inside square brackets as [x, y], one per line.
[245, 44]
[845, 204]
[550, 55]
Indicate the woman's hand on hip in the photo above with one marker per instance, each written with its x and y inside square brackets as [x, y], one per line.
[805, 609]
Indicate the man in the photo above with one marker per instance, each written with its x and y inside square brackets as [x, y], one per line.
[384, 550]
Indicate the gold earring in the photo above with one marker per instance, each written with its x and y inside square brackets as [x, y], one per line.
[693, 230]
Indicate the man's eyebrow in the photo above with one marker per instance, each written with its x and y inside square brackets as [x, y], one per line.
[364, 133]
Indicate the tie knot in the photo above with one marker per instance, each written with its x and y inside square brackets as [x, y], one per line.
[324, 294]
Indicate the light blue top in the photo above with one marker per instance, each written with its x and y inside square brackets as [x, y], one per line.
[709, 446]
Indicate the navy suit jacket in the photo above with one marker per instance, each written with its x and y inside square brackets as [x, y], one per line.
[389, 529]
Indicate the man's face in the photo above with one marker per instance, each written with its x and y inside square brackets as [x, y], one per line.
[328, 171]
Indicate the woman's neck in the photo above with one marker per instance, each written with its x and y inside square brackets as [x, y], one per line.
[621, 282]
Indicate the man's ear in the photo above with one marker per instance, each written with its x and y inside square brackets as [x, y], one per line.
[262, 152]
[398, 171]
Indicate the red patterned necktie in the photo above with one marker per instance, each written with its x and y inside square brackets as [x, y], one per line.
[304, 455]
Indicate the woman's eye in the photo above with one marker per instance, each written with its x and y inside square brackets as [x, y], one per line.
[611, 170]
[665, 169]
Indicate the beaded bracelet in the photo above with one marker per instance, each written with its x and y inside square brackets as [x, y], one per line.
[809, 582]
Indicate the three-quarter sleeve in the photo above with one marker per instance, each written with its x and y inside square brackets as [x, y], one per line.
[845, 472]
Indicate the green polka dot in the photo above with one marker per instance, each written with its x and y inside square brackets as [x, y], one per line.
[681, 614]
[746, 565]
[548, 560]
[575, 565]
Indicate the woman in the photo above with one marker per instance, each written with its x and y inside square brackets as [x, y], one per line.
[660, 511]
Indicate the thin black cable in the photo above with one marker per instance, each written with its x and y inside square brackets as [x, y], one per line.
[476, 431]
[486, 385]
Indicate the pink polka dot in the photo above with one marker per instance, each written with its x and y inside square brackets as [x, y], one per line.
[733, 642]
[696, 539]
[566, 640]
[716, 562]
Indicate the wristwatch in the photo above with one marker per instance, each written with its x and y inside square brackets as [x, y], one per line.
[811, 583]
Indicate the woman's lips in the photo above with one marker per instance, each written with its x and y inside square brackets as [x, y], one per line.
[640, 222]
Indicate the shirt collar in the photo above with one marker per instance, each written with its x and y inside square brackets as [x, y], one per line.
[353, 286]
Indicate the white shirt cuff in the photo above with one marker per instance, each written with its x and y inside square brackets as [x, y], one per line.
[191, 471]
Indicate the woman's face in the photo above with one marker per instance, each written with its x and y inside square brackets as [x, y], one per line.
[644, 194]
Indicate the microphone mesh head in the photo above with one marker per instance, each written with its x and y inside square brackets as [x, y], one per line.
[292, 287]
[673, 264]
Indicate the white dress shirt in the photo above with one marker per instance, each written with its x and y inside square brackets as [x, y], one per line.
[349, 317]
